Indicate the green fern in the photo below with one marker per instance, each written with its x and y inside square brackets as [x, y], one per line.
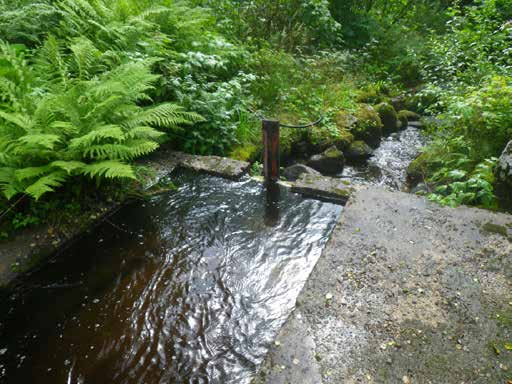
[88, 125]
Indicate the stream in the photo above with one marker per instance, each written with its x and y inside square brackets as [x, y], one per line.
[189, 287]
[387, 167]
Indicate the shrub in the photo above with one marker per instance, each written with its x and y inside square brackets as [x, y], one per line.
[79, 127]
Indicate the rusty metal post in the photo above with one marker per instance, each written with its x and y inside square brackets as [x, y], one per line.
[271, 161]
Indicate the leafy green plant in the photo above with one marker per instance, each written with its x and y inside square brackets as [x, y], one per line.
[457, 186]
[90, 126]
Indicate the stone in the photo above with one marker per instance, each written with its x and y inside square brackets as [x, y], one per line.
[403, 119]
[294, 172]
[416, 124]
[321, 138]
[215, 165]
[389, 117]
[411, 116]
[358, 151]
[330, 162]
[368, 126]
[504, 168]
[322, 187]
[417, 170]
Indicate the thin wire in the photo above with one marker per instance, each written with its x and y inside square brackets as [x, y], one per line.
[312, 124]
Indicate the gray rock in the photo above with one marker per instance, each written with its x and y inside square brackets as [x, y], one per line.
[330, 162]
[215, 165]
[358, 151]
[322, 187]
[293, 172]
[416, 124]
[504, 169]
[420, 189]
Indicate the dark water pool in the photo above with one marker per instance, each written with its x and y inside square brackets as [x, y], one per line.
[190, 287]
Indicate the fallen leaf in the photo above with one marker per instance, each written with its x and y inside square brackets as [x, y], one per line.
[508, 346]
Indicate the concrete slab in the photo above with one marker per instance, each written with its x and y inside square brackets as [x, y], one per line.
[326, 188]
[405, 292]
[165, 161]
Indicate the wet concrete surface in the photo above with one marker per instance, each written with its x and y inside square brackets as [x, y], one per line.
[405, 292]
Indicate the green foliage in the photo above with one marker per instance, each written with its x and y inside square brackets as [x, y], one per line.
[87, 126]
[291, 25]
[457, 186]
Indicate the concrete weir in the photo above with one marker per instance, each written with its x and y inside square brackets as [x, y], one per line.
[405, 292]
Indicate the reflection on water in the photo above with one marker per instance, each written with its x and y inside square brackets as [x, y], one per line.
[190, 287]
[389, 163]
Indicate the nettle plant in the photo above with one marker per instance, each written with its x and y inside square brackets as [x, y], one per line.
[91, 125]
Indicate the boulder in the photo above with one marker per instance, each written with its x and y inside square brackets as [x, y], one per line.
[389, 118]
[411, 116]
[294, 172]
[403, 119]
[325, 188]
[417, 170]
[368, 126]
[330, 162]
[358, 151]
[504, 168]
[321, 138]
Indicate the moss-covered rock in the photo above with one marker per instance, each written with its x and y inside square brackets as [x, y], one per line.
[411, 116]
[368, 126]
[358, 151]
[389, 117]
[418, 169]
[344, 140]
[330, 162]
[344, 120]
[320, 138]
[247, 152]
[403, 120]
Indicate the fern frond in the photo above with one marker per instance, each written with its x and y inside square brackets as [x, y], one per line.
[86, 57]
[22, 121]
[64, 127]
[104, 132]
[8, 182]
[30, 172]
[144, 132]
[132, 80]
[46, 184]
[50, 63]
[45, 140]
[164, 115]
[124, 152]
[109, 169]
[68, 166]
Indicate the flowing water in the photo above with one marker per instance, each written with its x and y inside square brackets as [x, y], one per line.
[190, 287]
[387, 167]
